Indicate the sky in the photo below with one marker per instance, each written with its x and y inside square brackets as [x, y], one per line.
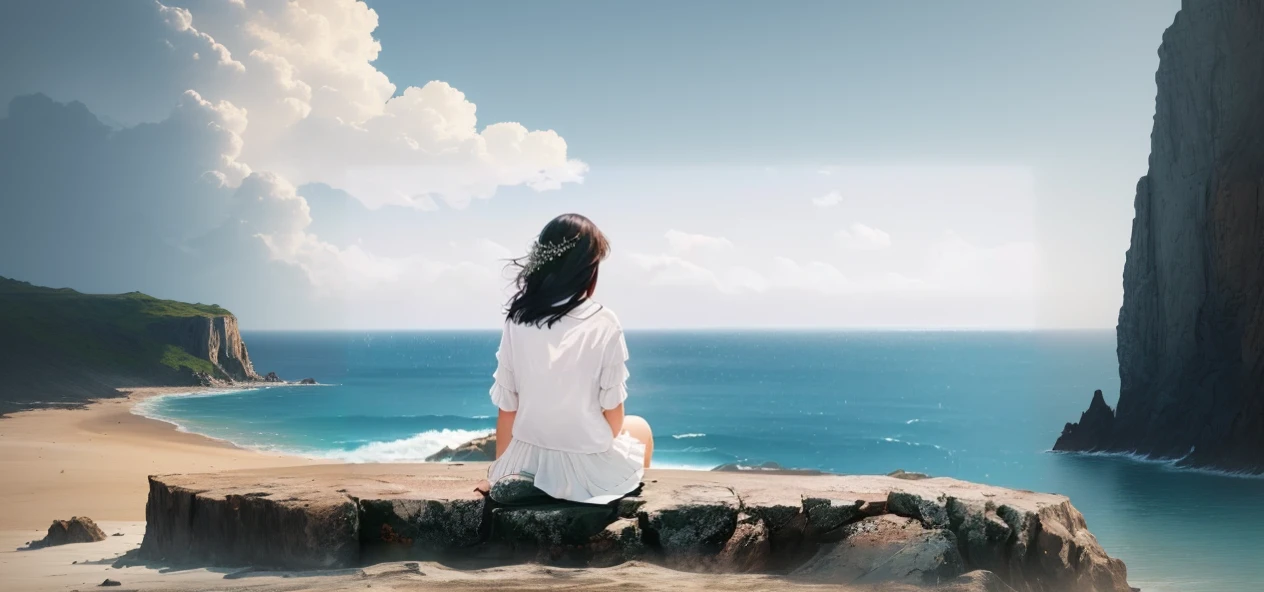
[328, 164]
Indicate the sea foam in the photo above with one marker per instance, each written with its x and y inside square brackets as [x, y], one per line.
[1172, 464]
[412, 449]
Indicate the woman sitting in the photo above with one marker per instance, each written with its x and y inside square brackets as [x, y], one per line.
[560, 378]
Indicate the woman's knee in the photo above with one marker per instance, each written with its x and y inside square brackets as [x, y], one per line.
[637, 426]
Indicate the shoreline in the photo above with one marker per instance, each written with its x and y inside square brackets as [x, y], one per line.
[139, 397]
[95, 460]
[1170, 464]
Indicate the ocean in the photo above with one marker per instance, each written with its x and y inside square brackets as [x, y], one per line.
[979, 406]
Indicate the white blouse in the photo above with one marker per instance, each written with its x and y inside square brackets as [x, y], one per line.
[559, 379]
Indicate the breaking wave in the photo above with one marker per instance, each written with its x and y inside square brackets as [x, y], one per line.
[412, 449]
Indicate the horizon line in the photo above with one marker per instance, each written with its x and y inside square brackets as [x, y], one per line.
[786, 328]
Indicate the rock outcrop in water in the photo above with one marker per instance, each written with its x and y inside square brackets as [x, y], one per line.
[821, 529]
[476, 450]
[1093, 431]
[768, 467]
[484, 450]
[1191, 329]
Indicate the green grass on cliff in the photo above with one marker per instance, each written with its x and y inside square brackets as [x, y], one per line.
[111, 334]
[175, 358]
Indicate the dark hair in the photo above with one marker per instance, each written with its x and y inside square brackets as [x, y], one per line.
[569, 278]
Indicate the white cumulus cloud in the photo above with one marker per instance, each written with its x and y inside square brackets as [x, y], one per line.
[319, 111]
[205, 181]
[830, 199]
[863, 238]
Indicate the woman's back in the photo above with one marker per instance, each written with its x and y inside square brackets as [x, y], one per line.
[560, 379]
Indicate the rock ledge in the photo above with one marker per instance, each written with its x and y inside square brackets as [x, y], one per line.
[818, 528]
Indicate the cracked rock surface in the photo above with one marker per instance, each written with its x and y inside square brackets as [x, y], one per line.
[814, 528]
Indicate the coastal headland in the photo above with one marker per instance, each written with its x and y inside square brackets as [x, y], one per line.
[61, 348]
[1191, 328]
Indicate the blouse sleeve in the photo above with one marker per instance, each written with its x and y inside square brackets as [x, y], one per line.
[614, 374]
[505, 389]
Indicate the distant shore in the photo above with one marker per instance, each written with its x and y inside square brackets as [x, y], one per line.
[95, 461]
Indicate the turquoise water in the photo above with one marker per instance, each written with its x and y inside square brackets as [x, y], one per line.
[976, 406]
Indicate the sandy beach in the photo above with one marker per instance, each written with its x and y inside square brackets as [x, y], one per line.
[95, 461]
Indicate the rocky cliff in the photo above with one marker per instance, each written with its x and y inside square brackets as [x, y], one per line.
[214, 339]
[827, 530]
[59, 346]
[1191, 329]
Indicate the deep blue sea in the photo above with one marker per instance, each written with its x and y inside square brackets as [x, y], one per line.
[981, 406]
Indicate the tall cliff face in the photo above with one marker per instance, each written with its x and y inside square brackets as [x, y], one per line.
[1191, 329]
[59, 346]
[215, 339]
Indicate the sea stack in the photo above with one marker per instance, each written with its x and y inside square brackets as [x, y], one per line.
[1191, 329]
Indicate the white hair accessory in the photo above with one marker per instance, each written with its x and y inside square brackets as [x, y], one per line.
[542, 253]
